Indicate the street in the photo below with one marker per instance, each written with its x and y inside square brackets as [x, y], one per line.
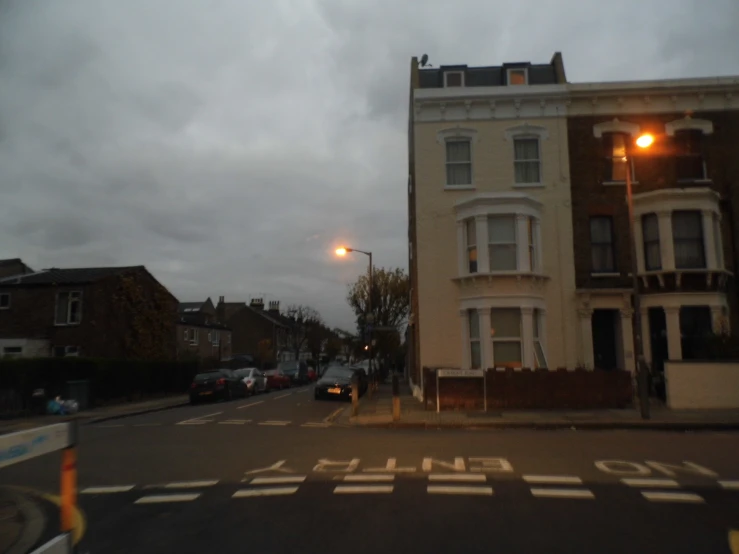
[272, 474]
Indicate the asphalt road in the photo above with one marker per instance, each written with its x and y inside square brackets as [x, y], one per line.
[268, 474]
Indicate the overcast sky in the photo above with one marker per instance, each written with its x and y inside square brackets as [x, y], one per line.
[231, 145]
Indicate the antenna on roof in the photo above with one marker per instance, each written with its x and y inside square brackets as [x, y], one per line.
[425, 61]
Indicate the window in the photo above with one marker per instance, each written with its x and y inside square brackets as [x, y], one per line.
[210, 337]
[474, 323]
[614, 151]
[505, 329]
[458, 162]
[526, 160]
[12, 351]
[689, 160]
[187, 335]
[4, 301]
[454, 79]
[194, 338]
[533, 261]
[650, 232]
[687, 233]
[502, 242]
[602, 255]
[696, 325]
[717, 241]
[517, 76]
[471, 239]
[216, 338]
[68, 308]
[62, 351]
[539, 358]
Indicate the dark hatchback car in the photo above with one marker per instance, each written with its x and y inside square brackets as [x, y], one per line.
[297, 371]
[336, 382]
[221, 384]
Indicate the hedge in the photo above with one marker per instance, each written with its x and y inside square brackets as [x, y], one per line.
[109, 380]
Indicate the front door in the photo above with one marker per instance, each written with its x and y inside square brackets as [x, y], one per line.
[605, 355]
[658, 340]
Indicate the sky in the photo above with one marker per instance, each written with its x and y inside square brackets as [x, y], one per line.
[230, 146]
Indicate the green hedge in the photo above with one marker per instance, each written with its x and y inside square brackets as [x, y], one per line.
[109, 379]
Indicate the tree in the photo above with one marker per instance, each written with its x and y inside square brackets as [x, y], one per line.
[304, 323]
[390, 306]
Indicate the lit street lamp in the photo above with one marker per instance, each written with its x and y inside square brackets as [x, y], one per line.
[642, 371]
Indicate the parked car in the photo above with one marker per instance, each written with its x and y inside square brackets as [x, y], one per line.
[276, 380]
[336, 382]
[221, 384]
[296, 370]
[254, 379]
[312, 374]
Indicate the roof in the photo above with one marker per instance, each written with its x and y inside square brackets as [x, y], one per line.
[10, 261]
[276, 319]
[75, 276]
[188, 323]
[190, 307]
[538, 74]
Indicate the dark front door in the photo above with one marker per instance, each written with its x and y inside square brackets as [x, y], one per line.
[658, 340]
[604, 339]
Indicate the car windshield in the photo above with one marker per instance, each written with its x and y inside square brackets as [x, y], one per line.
[244, 372]
[288, 366]
[344, 372]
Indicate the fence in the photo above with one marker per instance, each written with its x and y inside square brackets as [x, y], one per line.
[26, 445]
[490, 389]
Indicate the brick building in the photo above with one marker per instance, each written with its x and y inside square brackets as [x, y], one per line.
[200, 334]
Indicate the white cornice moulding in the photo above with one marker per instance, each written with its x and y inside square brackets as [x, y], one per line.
[615, 126]
[526, 129]
[669, 200]
[456, 132]
[688, 123]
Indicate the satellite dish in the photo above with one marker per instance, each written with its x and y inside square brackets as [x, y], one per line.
[424, 60]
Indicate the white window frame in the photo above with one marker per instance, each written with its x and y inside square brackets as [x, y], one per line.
[516, 239]
[507, 340]
[18, 354]
[539, 339]
[458, 134]
[536, 160]
[447, 163]
[470, 315]
[700, 240]
[72, 296]
[527, 131]
[216, 338]
[454, 72]
[5, 295]
[468, 247]
[510, 70]
[195, 338]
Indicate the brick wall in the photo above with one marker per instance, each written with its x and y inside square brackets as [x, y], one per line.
[204, 348]
[248, 328]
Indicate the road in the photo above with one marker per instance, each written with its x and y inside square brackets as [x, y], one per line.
[268, 474]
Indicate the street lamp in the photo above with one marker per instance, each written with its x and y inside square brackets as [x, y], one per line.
[642, 372]
[369, 317]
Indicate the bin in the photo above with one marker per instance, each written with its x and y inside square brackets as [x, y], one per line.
[79, 391]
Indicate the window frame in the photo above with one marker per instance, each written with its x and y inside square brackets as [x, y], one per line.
[682, 143]
[471, 222]
[607, 157]
[68, 351]
[651, 242]
[511, 70]
[472, 314]
[72, 297]
[458, 72]
[700, 240]
[447, 163]
[538, 340]
[18, 353]
[8, 298]
[490, 245]
[505, 339]
[517, 162]
[613, 268]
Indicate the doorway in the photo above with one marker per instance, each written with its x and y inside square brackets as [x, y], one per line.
[606, 339]
[658, 340]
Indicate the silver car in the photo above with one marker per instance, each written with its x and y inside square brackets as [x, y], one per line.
[255, 380]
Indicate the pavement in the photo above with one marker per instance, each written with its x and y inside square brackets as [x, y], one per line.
[279, 473]
[377, 412]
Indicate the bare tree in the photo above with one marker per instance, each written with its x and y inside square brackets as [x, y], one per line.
[304, 322]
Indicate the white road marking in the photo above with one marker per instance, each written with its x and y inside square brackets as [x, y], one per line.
[553, 479]
[107, 490]
[361, 477]
[194, 422]
[197, 420]
[249, 404]
[659, 496]
[561, 493]
[274, 491]
[189, 484]
[146, 424]
[333, 414]
[234, 422]
[459, 489]
[730, 485]
[467, 477]
[363, 489]
[159, 498]
[274, 423]
[316, 424]
[304, 390]
[282, 396]
[637, 482]
[110, 426]
[277, 480]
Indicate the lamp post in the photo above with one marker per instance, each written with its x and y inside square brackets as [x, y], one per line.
[640, 363]
[369, 317]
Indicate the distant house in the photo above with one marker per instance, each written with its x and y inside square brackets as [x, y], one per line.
[200, 334]
[13, 267]
[260, 333]
[104, 312]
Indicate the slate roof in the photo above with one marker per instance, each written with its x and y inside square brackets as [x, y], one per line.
[75, 276]
[191, 307]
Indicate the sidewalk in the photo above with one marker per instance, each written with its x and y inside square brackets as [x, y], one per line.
[377, 412]
[97, 414]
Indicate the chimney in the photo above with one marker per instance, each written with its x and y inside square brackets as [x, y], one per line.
[274, 307]
[221, 310]
[257, 303]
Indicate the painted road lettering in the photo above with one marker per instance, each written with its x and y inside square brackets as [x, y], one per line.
[625, 468]
[622, 467]
[457, 465]
[499, 465]
[688, 467]
[277, 466]
[391, 466]
[325, 465]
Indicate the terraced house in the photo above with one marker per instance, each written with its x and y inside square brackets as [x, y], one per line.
[490, 227]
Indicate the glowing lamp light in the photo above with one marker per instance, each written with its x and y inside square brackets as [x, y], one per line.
[341, 251]
[645, 141]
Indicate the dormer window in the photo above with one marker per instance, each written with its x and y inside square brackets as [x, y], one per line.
[518, 76]
[454, 79]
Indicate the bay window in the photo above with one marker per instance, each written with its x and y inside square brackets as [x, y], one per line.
[502, 242]
[539, 357]
[687, 236]
[650, 232]
[474, 327]
[471, 245]
[505, 330]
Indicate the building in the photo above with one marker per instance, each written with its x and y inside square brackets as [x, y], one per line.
[105, 312]
[13, 267]
[490, 228]
[200, 334]
[685, 191]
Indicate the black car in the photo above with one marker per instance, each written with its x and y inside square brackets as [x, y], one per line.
[296, 370]
[221, 384]
[336, 382]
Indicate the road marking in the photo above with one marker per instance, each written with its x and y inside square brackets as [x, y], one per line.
[457, 489]
[304, 390]
[274, 423]
[467, 477]
[659, 496]
[234, 422]
[274, 491]
[110, 426]
[333, 414]
[363, 489]
[561, 493]
[107, 490]
[316, 424]
[249, 404]
[146, 424]
[669, 483]
[553, 479]
[730, 485]
[189, 484]
[197, 420]
[276, 480]
[368, 477]
[282, 396]
[159, 498]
